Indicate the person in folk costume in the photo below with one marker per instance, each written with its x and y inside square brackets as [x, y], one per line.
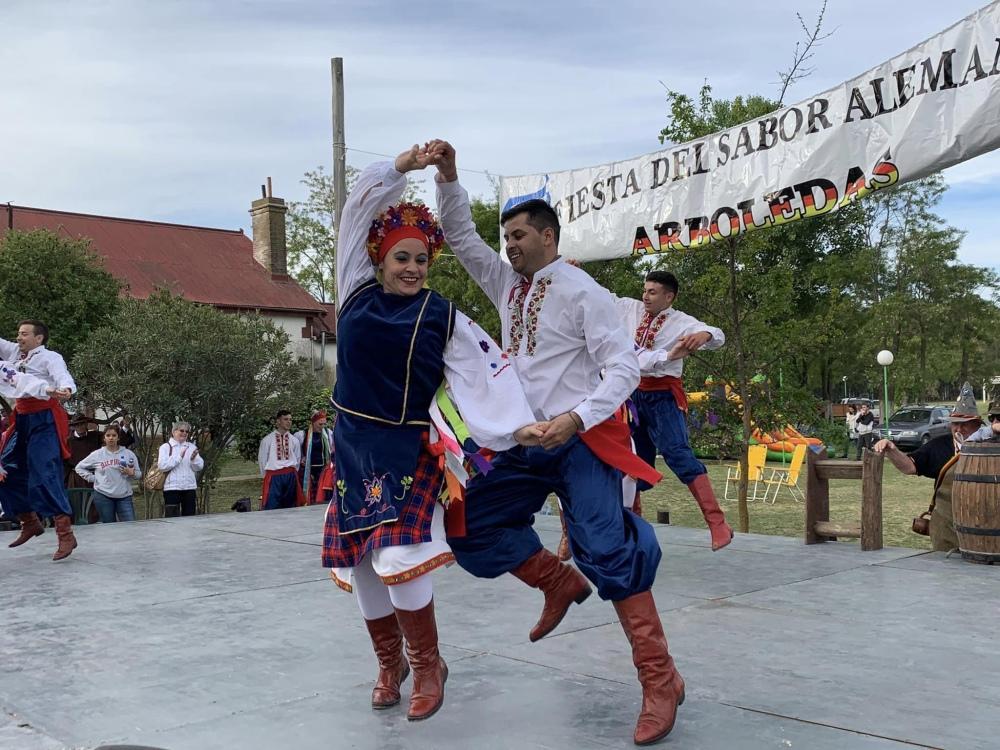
[34, 445]
[663, 338]
[14, 385]
[279, 457]
[315, 447]
[936, 459]
[396, 343]
[561, 330]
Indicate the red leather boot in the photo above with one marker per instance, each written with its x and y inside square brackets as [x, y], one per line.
[563, 552]
[662, 685]
[387, 640]
[562, 585]
[429, 670]
[704, 495]
[31, 526]
[67, 541]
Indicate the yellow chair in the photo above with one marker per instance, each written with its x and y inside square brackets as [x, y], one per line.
[787, 477]
[756, 456]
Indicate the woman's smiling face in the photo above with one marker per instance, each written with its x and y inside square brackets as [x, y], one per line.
[404, 269]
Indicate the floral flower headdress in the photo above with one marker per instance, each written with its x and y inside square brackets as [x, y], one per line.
[400, 222]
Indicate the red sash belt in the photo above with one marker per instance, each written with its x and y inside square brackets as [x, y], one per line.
[611, 442]
[666, 383]
[266, 489]
[35, 405]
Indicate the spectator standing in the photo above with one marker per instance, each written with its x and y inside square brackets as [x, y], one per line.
[864, 425]
[180, 459]
[126, 436]
[852, 428]
[279, 456]
[316, 446]
[111, 469]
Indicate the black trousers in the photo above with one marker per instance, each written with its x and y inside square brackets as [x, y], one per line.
[865, 441]
[184, 498]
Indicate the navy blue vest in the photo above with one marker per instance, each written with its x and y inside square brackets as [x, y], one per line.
[390, 354]
[390, 363]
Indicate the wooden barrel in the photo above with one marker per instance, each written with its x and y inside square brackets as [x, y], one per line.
[976, 502]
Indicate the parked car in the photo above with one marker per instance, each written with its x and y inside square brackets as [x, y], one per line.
[912, 426]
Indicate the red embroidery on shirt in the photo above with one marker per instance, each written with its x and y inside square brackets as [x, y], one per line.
[649, 326]
[282, 447]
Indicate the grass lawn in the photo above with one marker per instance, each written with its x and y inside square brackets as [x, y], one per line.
[903, 497]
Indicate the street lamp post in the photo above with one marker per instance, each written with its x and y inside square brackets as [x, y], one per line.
[885, 359]
[845, 387]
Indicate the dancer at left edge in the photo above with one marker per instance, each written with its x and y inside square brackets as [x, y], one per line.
[34, 445]
[397, 342]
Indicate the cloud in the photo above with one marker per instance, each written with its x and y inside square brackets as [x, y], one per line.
[179, 110]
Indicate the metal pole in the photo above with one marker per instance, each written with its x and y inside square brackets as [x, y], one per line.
[339, 159]
[885, 417]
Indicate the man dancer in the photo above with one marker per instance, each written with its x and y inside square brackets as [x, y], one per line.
[560, 330]
[663, 338]
[34, 445]
[279, 457]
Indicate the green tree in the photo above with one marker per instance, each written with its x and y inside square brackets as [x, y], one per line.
[57, 280]
[448, 278]
[164, 359]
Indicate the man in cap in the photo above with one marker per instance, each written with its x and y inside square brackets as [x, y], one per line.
[935, 460]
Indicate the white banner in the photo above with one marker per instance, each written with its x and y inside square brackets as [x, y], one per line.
[929, 108]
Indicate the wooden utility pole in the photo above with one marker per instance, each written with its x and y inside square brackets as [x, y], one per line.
[339, 159]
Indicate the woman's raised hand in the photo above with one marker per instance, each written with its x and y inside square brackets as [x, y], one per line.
[415, 157]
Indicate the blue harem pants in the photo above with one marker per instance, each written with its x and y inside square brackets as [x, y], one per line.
[33, 461]
[615, 549]
[662, 429]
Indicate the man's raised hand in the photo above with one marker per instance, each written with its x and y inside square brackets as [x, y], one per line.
[442, 155]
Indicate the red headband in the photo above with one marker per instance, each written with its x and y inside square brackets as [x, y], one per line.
[318, 416]
[394, 236]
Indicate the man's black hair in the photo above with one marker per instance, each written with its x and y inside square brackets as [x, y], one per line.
[282, 413]
[40, 329]
[665, 278]
[541, 215]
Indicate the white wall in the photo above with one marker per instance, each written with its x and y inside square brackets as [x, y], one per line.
[307, 348]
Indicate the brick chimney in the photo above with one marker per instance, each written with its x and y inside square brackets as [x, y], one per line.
[268, 217]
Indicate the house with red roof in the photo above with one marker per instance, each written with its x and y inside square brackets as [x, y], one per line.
[219, 267]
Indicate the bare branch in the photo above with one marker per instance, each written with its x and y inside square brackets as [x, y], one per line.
[803, 52]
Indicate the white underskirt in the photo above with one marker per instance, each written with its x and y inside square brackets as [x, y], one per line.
[404, 562]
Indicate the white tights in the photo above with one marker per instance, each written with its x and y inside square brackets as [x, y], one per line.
[376, 600]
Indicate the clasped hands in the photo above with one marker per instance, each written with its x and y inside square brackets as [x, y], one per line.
[550, 434]
[435, 152]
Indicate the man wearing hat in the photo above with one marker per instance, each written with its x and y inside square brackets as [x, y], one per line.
[935, 460]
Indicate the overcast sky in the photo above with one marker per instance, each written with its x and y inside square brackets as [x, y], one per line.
[177, 110]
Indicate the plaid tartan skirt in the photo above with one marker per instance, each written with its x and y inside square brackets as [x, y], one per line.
[412, 527]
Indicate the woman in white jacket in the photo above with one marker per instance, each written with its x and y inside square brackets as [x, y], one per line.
[180, 460]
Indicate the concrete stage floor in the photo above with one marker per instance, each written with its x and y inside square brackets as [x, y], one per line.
[220, 632]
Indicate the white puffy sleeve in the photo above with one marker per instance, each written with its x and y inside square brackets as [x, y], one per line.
[484, 386]
[378, 187]
[14, 384]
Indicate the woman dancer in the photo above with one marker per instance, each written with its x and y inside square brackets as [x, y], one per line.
[396, 343]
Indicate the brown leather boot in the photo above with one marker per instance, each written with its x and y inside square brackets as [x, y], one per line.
[31, 526]
[429, 670]
[562, 585]
[563, 552]
[662, 685]
[67, 542]
[704, 495]
[387, 640]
